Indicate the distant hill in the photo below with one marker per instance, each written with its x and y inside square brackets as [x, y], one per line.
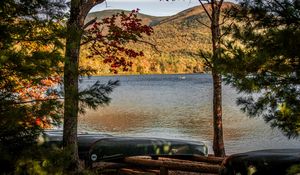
[147, 19]
[179, 38]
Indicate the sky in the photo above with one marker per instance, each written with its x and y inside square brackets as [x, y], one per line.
[149, 7]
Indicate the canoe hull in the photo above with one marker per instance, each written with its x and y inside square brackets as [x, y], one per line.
[103, 147]
[273, 161]
[119, 147]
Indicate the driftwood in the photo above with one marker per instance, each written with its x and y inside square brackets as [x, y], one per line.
[173, 165]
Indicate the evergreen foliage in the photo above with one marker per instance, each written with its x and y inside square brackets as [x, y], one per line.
[30, 61]
[262, 61]
[31, 46]
[96, 95]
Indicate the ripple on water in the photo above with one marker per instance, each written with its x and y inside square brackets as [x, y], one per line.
[169, 107]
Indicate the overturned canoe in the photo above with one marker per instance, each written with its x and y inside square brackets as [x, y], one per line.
[85, 140]
[272, 161]
[103, 147]
[120, 147]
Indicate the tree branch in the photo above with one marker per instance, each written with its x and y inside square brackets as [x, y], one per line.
[227, 31]
[41, 100]
[87, 41]
[207, 62]
[220, 4]
[279, 4]
[89, 23]
[91, 3]
[202, 23]
[151, 44]
[87, 6]
[226, 16]
[206, 11]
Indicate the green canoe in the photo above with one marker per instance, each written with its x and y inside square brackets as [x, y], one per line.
[95, 147]
[120, 147]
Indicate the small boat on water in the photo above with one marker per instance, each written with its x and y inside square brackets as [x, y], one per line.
[182, 77]
[93, 147]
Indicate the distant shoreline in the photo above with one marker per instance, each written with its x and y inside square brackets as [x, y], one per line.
[126, 74]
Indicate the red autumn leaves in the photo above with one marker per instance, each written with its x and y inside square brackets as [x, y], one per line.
[108, 38]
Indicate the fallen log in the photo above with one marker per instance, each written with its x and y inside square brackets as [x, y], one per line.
[200, 159]
[127, 171]
[179, 161]
[209, 159]
[173, 165]
[109, 165]
[163, 171]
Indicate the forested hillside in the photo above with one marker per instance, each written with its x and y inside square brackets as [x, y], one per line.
[178, 40]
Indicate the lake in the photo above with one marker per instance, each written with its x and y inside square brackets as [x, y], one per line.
[178, 106]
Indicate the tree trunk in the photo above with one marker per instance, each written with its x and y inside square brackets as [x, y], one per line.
[218, 144]
[71, 85]
[78, 11]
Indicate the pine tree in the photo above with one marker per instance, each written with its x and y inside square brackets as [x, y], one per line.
[263, 61]
[215, 27]
[213, 10]
[30, 48]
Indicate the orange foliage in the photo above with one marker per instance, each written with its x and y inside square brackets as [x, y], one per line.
[35, 93]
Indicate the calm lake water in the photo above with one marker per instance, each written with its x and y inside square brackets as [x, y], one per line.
[178, 106]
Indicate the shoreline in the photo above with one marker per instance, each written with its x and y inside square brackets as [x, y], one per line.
[136, 74]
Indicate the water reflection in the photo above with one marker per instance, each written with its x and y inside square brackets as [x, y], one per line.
[115, 120]
[171, 107]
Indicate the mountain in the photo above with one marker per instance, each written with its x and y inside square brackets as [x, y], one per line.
[179, 39]
[146, 19]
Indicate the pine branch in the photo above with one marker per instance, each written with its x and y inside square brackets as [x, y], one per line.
[227, 16]
[227, 31]
[208, 63]
[97, 94]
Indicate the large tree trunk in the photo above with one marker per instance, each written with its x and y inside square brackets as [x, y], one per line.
[71, 85]
[218, 144]
[79, 10]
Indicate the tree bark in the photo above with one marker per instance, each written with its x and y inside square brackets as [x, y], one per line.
[218, 143]
[78, 11]
[71, 85]
[174, 165]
